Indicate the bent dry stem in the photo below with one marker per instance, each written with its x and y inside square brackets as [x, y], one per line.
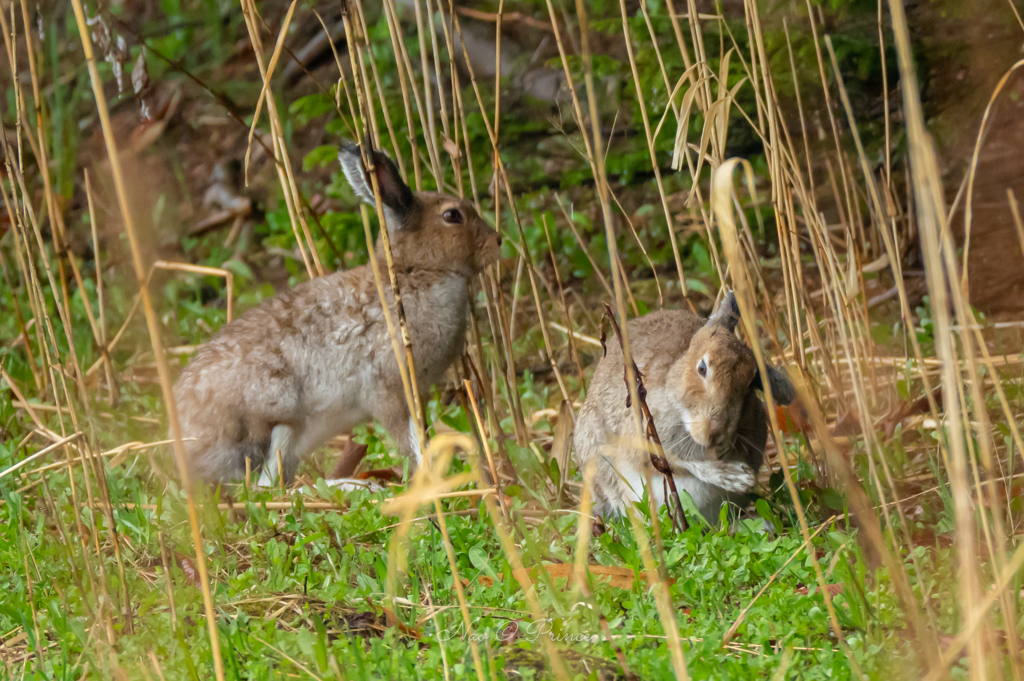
[657, 454]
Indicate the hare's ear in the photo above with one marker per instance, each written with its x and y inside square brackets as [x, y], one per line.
[727, 313]
[395, 194]
[781, 387]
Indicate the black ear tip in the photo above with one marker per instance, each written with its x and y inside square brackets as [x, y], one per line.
[730, 300]
[729, 307]
[726, 313]
[782, 389]
[349, 149]
[356, 149]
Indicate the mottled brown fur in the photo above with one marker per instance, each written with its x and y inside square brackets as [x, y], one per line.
[317, 360]
[713, 428]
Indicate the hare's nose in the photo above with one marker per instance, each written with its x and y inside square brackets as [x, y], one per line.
[714, 438]
[499, 239]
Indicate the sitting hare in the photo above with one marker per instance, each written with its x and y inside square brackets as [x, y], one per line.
[701, 382]
[317, 360]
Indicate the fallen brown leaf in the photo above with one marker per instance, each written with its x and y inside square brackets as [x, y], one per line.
[793, 418]
[450, 146]
[381, 474]
[482, 580]
[393, 621]
[619, 577]
[833, 589]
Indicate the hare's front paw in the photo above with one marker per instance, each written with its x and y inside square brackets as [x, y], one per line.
[732, 476]
[735, 476]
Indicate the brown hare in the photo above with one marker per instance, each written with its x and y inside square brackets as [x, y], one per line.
[317, 360]
[701, 385]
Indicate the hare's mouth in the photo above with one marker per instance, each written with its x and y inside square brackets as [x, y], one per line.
[697, 427]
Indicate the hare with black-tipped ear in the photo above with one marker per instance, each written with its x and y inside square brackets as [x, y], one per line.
[702, 384]
[317, 360]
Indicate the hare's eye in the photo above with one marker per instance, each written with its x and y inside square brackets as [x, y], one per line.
[452, 216]
[702, 368]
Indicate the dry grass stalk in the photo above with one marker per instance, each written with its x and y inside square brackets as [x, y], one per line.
[721, 202]
[430, 482]
[405, 361]
[862, 400]
[566, 316]
[660, 588]
[406, 77]
[972, 170]
[835, 355]
[41, 453]
[806, 546]
[650, 143]
[112, 386]
[495, 477]
[935, 238]
[265, 90]
[229, 278]
[282, 165]
[493, 293]
[520, 572]
[154, 334]
[50, 349]
[470, 370]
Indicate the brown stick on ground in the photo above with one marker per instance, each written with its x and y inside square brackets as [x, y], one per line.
[658, 459]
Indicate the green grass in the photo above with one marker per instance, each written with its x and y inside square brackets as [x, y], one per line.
[296, 588]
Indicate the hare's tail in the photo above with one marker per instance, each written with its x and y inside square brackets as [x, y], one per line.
[732, 476]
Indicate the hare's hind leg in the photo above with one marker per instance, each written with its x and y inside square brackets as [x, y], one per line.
[283, 440]
[619, 482]
[341, 477]
[394, 416]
